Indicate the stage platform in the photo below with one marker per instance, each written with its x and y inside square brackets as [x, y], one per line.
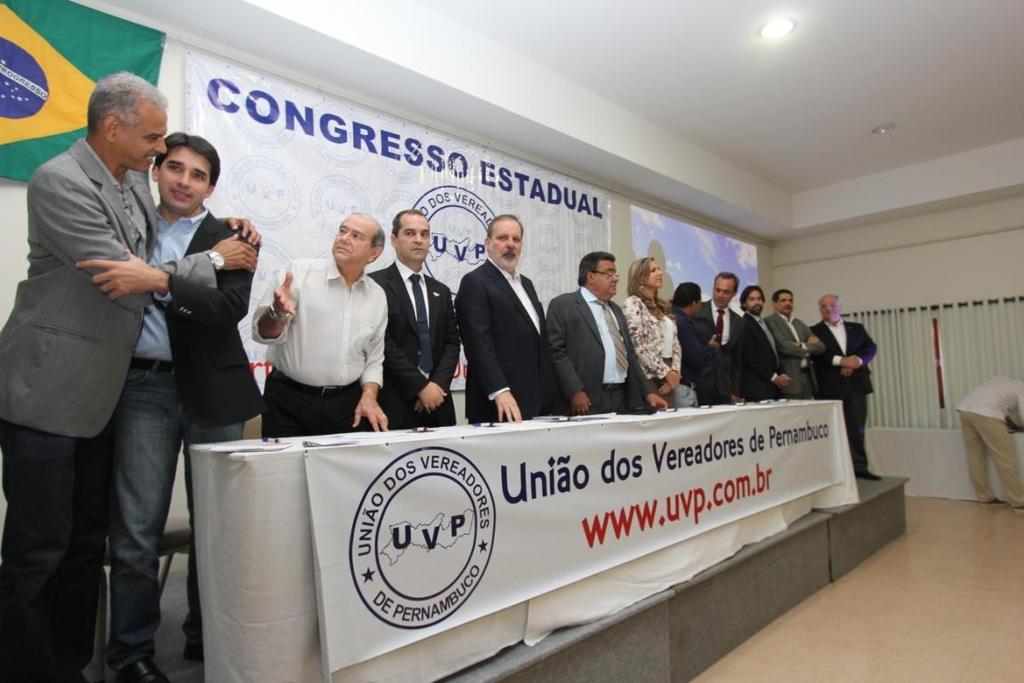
[676, 634]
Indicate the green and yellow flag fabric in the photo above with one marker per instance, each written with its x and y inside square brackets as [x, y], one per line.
[51, 54]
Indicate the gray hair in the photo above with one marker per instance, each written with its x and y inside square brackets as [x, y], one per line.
[118, 94]
[378, 235]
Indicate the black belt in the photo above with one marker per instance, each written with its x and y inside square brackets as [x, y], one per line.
[614, 387]
[329, 390]
[151, 364]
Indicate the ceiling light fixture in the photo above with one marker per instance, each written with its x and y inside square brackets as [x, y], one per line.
[777, 28]
[883, 129]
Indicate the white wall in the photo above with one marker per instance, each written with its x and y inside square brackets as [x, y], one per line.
[953, 255]
[946, 256]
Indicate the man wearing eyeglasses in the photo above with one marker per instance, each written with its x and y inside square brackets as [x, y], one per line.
[596, 368]
[325, 327]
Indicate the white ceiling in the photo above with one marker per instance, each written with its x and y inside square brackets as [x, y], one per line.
[680, 101]
[797, 112]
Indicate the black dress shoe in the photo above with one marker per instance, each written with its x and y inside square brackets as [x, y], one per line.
[193, 650]
[867, 475]
[142, 671]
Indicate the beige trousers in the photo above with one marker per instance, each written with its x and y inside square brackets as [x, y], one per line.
[982, 432]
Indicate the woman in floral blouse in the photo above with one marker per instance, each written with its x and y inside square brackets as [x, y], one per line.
[653, 328]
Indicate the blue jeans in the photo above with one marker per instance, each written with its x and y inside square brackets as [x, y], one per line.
[150, 427]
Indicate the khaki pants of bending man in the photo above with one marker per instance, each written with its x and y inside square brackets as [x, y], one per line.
[982, 432]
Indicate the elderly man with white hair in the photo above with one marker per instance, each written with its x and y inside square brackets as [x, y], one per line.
[325, 326]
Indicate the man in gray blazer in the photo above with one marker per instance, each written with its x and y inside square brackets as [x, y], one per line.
[596, 368]
[64, 354]
[796, 344]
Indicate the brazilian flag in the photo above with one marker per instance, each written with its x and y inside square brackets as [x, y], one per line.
[52, 52]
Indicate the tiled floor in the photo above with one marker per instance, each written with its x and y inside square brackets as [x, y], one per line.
[943, 603]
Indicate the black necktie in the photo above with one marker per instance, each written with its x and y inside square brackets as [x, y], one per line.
[422, 327]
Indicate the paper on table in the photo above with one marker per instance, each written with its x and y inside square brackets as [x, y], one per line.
[329, 440]
[250, 446]
[573, 418]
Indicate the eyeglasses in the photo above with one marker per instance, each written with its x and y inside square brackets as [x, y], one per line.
[607, 273]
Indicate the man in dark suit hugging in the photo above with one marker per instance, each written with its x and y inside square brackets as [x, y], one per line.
[189, 382]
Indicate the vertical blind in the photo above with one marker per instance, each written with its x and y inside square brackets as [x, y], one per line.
[976, 340]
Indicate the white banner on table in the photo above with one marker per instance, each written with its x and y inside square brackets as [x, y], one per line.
[296, 161]
[414, 538]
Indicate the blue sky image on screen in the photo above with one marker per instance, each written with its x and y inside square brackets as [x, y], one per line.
[691, 254]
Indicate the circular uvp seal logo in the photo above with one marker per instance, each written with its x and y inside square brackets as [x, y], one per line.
[422, 537]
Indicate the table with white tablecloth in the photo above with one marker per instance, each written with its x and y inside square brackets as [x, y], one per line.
[359, 559]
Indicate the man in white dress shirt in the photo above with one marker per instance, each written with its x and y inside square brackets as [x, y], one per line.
[325, 328]
[986, 423]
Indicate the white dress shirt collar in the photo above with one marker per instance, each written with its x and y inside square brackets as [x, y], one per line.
[405, 271]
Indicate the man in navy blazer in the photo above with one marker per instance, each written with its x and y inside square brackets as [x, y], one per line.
[685, 304]
[509, 377]
[421, 346]
[843, 375]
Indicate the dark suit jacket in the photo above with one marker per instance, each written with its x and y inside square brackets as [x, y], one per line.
[402, 377]
[759, 363]
[724, 365]
[695, 354]
[212, 373]
[831, 384]
[578, 356]
[503, 348]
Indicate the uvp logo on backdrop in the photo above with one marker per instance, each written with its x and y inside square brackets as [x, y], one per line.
[456, 217]
[422, 537]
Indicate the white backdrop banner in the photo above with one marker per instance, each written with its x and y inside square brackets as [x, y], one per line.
[414, 538]
[296, 161]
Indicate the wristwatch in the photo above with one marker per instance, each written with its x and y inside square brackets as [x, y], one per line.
[216, 259]
[274, 315]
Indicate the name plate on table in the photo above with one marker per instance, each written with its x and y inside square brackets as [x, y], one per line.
[415, 537]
